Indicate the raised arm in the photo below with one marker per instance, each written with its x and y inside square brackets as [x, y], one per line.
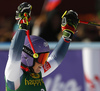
[13, 72]
[14, 59]
[69, 25]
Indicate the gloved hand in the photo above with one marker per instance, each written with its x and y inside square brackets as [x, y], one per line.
[23, 15]
[69, 24]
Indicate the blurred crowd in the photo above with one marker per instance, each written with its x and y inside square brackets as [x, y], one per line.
[48, 25]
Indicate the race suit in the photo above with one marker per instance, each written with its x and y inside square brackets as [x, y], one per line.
[18, 80]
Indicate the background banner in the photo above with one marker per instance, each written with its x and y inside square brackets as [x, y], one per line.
[67, 77]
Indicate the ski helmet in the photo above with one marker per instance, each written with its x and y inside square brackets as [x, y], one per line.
[41, 47]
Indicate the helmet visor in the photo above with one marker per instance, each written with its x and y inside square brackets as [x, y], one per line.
[42, 58]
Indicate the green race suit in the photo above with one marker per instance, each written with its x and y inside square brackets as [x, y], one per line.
[30, 82]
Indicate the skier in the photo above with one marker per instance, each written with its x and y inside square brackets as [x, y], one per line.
[26, 68]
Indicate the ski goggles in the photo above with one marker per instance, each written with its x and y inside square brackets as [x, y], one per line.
[42, 58]
[39, 57]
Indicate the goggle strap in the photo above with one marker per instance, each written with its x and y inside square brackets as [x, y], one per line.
[28, 51]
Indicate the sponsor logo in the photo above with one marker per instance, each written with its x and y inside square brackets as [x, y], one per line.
[37, 82]
[46, 66]
[42, 90]
[56, 84]
[92, 84]
[33, 75]
[45, 44]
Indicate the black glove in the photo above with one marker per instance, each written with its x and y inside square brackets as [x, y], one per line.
[23, 15]
[69, 24]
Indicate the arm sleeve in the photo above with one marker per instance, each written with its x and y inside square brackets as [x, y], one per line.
[12, 70]
[55, 58]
